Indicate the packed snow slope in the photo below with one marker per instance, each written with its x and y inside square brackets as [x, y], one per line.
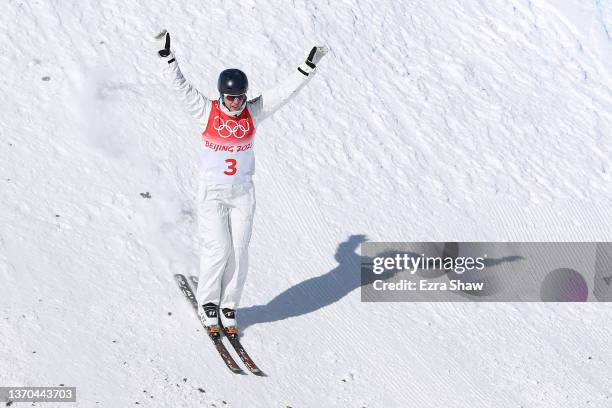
[428, 120]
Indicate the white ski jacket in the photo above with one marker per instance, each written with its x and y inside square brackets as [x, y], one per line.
[229, 158]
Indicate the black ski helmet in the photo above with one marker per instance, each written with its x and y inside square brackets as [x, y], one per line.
[232, 82]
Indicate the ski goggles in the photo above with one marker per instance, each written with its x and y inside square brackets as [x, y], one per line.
[233, 98]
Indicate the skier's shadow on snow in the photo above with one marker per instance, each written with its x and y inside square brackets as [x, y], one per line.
[314, 293]
[321, 291]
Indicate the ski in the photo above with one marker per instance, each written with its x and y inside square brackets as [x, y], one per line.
[235, 342]
[244, 356]
[221, 349]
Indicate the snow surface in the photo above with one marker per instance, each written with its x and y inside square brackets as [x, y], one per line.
[429, 120]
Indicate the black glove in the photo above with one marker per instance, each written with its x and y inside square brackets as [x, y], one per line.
[313, 59]
[162, 41]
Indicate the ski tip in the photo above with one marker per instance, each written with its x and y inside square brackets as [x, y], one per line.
[259, 373]
[239, 371]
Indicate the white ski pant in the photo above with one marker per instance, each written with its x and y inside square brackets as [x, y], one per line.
[225, 220]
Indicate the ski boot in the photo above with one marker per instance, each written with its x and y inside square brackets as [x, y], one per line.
[228, 322]
[210, 319]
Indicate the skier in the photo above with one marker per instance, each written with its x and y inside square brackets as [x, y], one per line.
[226, 196]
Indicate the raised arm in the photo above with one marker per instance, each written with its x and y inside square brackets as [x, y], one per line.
[272, 100]
[197, 104]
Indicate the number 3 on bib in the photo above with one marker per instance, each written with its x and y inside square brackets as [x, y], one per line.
[231, 167]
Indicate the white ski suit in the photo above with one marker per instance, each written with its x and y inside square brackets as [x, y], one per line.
[226, 196]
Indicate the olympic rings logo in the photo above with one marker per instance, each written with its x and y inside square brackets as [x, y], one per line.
[238, 129]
